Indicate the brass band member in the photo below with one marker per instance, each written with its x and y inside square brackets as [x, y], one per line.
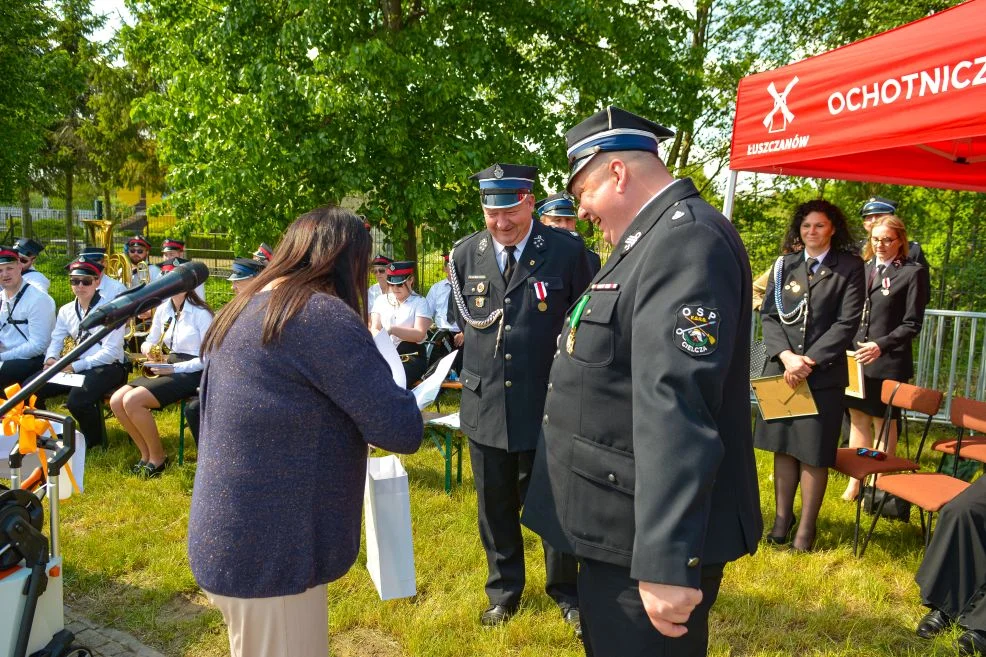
[172, 249]
[27, 251]
[109, 288]
[138, 251]
[102, 364]
[405, 315]
[264, 253]
[27, 316]
[177, 330]
[378, 267]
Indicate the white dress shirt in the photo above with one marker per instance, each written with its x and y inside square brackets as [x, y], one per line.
[108, 350]
[37, 279]
[25, 323]
[372, 294]
[184, 335]
[403, 314]
[438, 304]
[110, 288]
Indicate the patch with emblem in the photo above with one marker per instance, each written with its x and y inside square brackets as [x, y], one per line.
[480, 302]
[630, 241]
[696, 329]
[539, 241]
[497, 171]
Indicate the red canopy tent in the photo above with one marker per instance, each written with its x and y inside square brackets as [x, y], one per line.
[906, 107]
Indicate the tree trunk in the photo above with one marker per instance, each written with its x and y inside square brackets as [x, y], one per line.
[27, 230]
[410, 240]
[69, 233]
[948, 251]
[107, 208]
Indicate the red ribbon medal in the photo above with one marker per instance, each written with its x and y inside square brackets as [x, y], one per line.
[541, 292]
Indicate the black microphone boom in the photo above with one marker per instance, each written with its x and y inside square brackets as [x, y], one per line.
[183, 278]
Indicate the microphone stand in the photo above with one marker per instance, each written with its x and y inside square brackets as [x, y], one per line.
[46, 375]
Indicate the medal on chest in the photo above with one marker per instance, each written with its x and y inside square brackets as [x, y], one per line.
[573, 323]
[793, 286]
[885, 284]
[541, 292]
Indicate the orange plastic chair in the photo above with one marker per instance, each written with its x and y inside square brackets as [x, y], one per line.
[966, 414]
[848, 462]
[930, 491]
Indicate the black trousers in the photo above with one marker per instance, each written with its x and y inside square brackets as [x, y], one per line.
[615, 624]
[501, 479]
[83, 402]
[952, 576]
[19, 371]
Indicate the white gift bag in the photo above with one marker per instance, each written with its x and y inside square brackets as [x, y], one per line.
[389, 549]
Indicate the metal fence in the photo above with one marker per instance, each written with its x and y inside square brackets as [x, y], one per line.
[951, 356]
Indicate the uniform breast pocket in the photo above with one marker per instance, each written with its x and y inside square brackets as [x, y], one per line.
[594, 337]
[476, 294]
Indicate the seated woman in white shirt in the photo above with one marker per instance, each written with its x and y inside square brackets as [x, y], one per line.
[405, 315]
[178, 328]
[102, 364]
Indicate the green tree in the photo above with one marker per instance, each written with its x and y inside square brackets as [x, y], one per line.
[269, 107]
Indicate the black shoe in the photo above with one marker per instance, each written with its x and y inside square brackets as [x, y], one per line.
[572, 617]
[934, 623]
[784, 539]
[138, 467]
[496, 615]
[972, 642]
[151, 471]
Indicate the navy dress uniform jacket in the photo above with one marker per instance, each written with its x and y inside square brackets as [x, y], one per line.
[894, 319]
[503, 395]
[835, 308]
[647, 461]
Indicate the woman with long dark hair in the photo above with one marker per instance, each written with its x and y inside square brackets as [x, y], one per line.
[287, 413]
[177, 330]
[810, 314]
[896, 293]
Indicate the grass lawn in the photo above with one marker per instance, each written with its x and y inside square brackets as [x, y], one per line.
[126, 567]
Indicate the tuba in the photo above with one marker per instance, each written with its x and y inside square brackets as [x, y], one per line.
[99, 232]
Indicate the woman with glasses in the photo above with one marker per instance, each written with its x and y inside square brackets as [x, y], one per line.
[893, 312]
[810, 313]
[178, 328]
[378, 267]
[101, 365]
[406, 316]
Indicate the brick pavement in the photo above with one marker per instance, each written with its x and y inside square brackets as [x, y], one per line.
[104, 641]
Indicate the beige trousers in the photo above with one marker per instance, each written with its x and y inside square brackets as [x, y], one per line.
[285, 626]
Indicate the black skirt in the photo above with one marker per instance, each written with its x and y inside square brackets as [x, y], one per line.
[171, 388]
[813, 439]
[873, 405]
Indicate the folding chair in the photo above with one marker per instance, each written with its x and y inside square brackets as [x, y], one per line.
[966, 414]
[930, 491]
[895, 395]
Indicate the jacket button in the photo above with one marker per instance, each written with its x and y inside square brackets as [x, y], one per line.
[507, 327]
[507, 300]
[465, 380]
[508, 383]
[545, 421]
[799, 346]
[589, 311]
[806, 295]
[551, 386]
[611, 477]
[693, 562]
[507, 356]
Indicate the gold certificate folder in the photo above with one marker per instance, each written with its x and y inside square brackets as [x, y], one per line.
[777, 400]
[855, 387]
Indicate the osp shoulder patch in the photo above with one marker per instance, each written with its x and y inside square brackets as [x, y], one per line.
[696, 329]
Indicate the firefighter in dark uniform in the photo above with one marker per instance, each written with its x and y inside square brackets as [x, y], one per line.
[646, 471]
[952, 576]
[558, 211]
[511, 284]
[876, 207]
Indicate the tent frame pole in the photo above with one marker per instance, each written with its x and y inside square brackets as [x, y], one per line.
[727, 206]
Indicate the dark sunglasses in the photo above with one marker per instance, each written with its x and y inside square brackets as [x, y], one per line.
[379, 270]
[137, 250]
[84, 282]
[871, 453]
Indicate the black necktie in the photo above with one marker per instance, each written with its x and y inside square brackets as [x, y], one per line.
[508, 268]
[879, 270]
[811, 262]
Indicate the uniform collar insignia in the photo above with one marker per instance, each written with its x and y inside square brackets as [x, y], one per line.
[539, 241]
[483, 244]
[630, 241]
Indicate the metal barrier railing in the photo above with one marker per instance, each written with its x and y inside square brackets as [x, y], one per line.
[951, 356]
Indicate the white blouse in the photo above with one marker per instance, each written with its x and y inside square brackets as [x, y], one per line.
[183, 334]
[402, 314]
[108, 350]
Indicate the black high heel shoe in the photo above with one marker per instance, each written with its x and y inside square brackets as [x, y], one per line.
[785, 538]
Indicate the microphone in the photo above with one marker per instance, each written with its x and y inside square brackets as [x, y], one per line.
[183, 278]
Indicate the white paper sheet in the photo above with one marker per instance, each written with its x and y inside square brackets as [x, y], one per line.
[427, 391]
[389, 352]
[69, 379]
